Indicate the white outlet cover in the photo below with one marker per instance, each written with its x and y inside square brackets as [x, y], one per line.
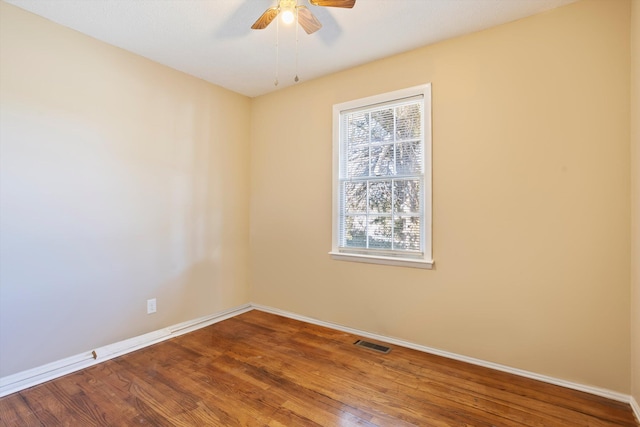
[151, 306]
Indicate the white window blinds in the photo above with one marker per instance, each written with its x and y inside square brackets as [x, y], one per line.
[381, 179]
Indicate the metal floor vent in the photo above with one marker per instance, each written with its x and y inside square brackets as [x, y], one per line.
[371, 346]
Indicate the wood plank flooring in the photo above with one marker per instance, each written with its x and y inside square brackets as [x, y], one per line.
[258, 369]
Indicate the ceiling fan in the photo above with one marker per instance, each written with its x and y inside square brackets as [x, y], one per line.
[306, 19]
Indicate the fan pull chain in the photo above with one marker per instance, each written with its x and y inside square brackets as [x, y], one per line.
[296, 79]
[275, 83]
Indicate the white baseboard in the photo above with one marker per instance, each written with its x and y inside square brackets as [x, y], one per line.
[29, 378]
[609, 394]
[635, 407]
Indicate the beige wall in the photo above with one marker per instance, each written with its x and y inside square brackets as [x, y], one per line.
[121, 180]
[635, 198]
[531, 199]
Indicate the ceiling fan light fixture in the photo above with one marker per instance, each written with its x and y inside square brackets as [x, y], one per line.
[288, 16]
[287, 10]
[291, 12]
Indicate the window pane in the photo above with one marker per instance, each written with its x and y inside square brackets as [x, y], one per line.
[358, 126]
[355, 197]
[382, 125]
[355, 231]
[406, 196]
[406, 233]
[381, 175]
[380, 197]
[408, 122]
[358, 162]
[409, 158]
[382, 162]
[380, 233]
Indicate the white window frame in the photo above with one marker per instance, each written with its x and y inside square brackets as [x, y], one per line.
[425, 259]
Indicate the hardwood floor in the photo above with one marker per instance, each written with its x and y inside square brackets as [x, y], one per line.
[258, 369]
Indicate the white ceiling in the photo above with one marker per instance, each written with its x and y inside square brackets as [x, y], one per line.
[211, 39]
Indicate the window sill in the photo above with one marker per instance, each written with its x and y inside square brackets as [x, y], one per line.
[383, 260]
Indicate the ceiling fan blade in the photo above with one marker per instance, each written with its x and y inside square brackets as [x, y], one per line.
[307, 21]
[334, 3]
[265, 19]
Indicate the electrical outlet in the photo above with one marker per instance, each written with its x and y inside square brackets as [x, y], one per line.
[151, 306]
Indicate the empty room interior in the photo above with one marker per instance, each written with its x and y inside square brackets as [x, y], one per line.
[160, 225]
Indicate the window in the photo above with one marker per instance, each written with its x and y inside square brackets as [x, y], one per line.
[382, 179]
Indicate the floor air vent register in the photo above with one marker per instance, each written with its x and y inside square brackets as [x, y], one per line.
[372, 346]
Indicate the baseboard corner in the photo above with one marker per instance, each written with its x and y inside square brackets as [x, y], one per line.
[635, 407]
[31, 377]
